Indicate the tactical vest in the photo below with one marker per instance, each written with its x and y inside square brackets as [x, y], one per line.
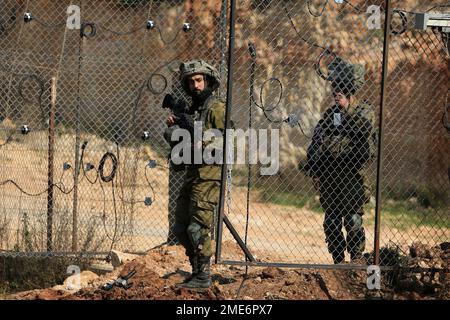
[348, 138]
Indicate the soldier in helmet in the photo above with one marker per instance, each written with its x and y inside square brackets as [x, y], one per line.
[199, 195]
[342, 145]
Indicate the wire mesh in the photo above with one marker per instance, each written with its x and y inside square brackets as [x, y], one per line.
[110, 181]
[324, 213]
[111, 187]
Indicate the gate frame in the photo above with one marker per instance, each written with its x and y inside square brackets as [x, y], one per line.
[250, 260]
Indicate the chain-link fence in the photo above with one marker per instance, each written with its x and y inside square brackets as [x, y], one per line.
[292, 60]
[92, 176]
[83, 160]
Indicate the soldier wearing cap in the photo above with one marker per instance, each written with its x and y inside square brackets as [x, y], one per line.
[199, 195]
[341, 147]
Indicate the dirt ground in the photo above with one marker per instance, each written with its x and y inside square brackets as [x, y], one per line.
[161, 269]
[276, 234]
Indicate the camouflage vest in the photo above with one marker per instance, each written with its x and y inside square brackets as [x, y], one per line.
[349, 136]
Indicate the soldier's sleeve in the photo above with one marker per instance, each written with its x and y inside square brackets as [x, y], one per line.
[316, 139]
[215, 119]
[360, 128]
[216, 116]
[362, 122]
[313, 155]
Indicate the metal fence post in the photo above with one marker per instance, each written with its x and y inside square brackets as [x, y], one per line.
[387, 31]
[51, 156]
[227, 124]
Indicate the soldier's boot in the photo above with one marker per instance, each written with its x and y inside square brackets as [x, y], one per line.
[194, 264]
[203, 278]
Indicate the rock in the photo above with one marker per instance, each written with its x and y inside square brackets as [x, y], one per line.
[258, 280]
[289, 281]
[270, 273]
[118, 258]
[77, 281]
[413, 296]
[217, 288]
[417, 276]
[60, 288]
[101, 268]
[445, 246]
[419, 250]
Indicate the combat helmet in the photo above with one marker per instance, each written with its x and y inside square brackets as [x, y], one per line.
[199, 67]
[345, 76]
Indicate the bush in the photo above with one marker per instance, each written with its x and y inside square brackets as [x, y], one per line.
[25, 273]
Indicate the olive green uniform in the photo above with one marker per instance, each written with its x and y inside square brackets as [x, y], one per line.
[342, 145]
[340, 149]
[199, 195]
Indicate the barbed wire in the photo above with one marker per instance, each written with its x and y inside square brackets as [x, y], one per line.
[89, 29]
[324, 5]
[439, 6]
[292, 121]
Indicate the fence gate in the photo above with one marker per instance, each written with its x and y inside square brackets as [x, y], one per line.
[282, 56]
[83, 161]
[84, 167]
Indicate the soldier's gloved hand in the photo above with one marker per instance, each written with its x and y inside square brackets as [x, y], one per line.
[171, 120]
[185, 121]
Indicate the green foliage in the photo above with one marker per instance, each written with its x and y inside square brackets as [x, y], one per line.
[404, 214]
[399, 214]
[293, 200]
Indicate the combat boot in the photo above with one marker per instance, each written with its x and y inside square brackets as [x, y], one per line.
[203, 278]
[194, 264]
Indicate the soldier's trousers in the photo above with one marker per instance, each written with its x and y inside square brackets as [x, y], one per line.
[195, 210]
[343, 197]
[354, 243]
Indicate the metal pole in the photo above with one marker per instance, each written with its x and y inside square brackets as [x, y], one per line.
[227, 125]
[387, 33]
[252, 50]
[223, 39]
[77, 149]
[51, 157]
